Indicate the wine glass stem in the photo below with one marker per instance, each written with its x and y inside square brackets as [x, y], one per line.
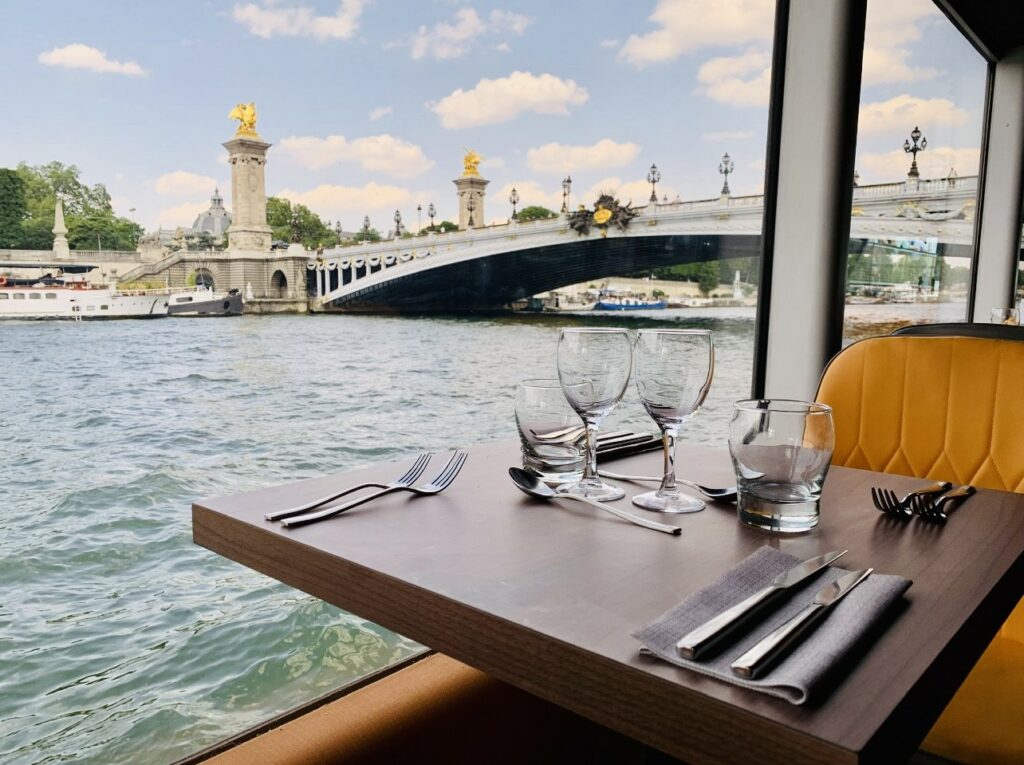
[590, 467]
[668, 441]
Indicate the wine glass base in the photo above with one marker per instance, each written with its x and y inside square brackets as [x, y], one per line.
[668, 503]
[596, 490]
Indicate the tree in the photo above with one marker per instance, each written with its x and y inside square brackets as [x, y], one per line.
[439, 228]
[288, 221]
[13, 208]
[367, 235]
[535, 212]
[707, 277]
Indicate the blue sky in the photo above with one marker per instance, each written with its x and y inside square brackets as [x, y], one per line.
[370, 104]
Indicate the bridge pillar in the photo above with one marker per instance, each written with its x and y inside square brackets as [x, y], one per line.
[470, 190]
[248, 230]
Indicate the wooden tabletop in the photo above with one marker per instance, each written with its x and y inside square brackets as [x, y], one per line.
[544, 596]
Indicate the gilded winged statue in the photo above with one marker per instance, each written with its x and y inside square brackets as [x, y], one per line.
[470, 164]
[246, 116]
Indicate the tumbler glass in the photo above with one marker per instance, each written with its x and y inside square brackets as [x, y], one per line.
[781, 451]
[551, 432]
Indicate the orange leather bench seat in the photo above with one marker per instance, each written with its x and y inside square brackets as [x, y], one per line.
[436, 710]
[951, 409]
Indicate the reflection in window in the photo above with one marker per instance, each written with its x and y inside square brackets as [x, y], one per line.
[918, 149]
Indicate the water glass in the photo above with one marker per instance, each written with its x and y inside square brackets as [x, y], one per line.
[593, 368]
[781, 451]
[1008, 316]
[674, 368]
[551, 432]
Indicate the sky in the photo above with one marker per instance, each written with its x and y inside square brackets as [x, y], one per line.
[370, 104]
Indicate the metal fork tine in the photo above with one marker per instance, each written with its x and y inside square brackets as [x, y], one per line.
[459, 460]
[416, 470]
[877, 500]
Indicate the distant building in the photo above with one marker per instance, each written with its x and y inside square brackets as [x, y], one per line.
[214, 221]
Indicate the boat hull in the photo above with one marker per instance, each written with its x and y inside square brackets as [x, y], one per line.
[59, 302]
[224, 305]
[657, 306]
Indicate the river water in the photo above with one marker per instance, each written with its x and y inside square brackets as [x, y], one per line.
[120, 640]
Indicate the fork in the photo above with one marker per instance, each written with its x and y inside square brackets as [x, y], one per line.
[407, 478]
[934, 510]
[439, 483]
[887, 501]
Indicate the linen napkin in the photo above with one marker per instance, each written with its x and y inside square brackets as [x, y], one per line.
[804, 672]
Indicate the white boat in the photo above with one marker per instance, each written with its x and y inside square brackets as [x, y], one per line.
[57, 298]
[203, 301]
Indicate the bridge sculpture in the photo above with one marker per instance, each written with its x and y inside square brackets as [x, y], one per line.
[487, 268]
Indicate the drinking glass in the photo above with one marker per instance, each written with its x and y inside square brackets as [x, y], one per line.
[1006, 316]
[550, 431]
[593, 368]
[674, 368]
[781, 451]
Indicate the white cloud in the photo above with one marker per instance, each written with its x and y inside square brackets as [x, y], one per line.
[559, 158]
[901, 113]
[503, 47]
[351, 203]
[379, 153]
[531, 193]
[181, 183]
[380, 111]
[934, 162]
[610, 43]
[689, 25]
[79, 56]
[447, 40]
[181, 215]
[637, 192]
[743, 80]
[726, 135]
[272, 20]
[505, 98]
[891, 27]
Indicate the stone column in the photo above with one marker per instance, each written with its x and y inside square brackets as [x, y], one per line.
[61, 249]
[471, 187]
[248, 230]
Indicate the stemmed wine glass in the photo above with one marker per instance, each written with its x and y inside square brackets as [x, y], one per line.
[674, 368]
[593, 368]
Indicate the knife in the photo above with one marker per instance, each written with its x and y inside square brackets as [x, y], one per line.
[696, 642]
[774, 645]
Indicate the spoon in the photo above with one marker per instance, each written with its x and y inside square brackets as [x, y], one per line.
[530, 484]
[719, 495]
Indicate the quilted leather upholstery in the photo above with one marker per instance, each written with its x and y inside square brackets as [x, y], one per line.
[945, 408]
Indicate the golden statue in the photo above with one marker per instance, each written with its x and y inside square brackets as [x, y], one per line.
[246, 116]
[470, 164]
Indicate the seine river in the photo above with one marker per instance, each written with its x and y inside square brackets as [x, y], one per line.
[120, 640]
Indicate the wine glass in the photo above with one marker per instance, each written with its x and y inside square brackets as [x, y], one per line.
[674, 368]
[593, 368]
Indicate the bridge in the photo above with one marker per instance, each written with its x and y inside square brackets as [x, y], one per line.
[490, 267]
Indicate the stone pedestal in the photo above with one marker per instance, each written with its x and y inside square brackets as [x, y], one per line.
[249, 230]
[61, 249]
[471, 187]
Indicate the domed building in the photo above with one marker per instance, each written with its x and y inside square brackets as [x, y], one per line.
[214, 221]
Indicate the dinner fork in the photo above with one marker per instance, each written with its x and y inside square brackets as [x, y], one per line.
[408, 478]
[887, 501]
[934, 510]
[439, 483]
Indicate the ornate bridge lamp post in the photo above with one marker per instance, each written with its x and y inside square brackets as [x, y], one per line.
[398, 224]
[431, 212]
[514, 199]
[725, 167]
[419, 221]
[293, 224]
[914, 148]
[337, 229]
[366, 224]
[653, 176]
[471, 206]
[566, 188]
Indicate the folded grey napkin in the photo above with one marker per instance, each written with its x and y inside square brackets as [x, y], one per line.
[802, 673]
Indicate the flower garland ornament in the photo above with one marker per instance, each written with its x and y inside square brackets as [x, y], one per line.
[607, 212]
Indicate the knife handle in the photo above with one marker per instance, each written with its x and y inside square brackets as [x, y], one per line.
[771, 647]
[694, 643]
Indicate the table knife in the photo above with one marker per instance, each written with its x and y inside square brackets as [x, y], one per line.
[773, 646]
[697, 641]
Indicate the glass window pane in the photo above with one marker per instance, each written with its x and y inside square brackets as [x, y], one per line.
[918, 147]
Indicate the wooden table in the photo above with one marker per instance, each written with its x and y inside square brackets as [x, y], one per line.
[544, 596]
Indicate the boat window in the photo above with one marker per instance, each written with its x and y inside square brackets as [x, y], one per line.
[918, 152]
[34, 296]
[51, 295]
[4, 296]
[183, 300]
[104, 307]
[19, 296]
[90, 308]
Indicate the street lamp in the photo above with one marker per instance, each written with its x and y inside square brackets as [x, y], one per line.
[725, 167]
[653, 176]
[398, 224]
[366, 224]
[951, 178]
[431, 212]
[514, 199]
[471, 206]
[566, 188]
[419, 219]
[914, 148]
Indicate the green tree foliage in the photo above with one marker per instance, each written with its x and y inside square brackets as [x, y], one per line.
[439, 228]
[87, 210]
[749, 269]
[367, 235]
[298, 223]
[708, 277]
[535, 212]
[13, 208]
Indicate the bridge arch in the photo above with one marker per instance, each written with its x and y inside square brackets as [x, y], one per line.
[279, 284]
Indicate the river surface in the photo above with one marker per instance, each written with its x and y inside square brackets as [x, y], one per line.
[120, 640]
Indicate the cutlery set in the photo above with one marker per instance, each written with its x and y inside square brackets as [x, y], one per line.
[925, 502]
